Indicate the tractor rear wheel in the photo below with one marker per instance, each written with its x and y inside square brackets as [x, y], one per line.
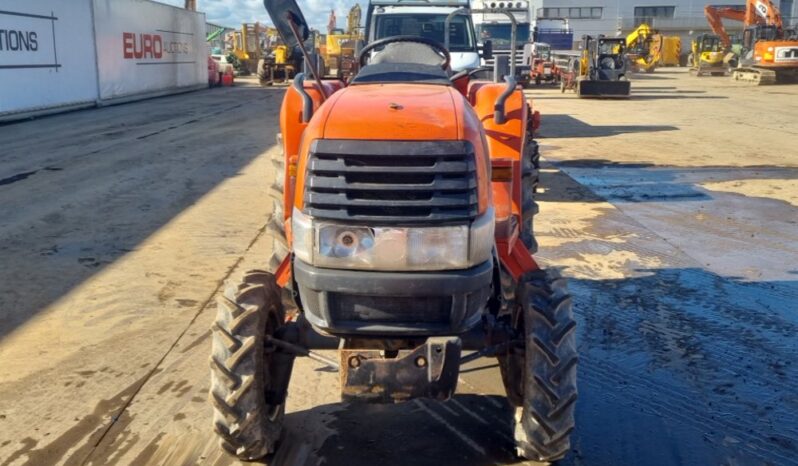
[245, 390]
[540, 374]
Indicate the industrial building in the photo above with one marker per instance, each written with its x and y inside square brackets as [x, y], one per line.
[677, 17]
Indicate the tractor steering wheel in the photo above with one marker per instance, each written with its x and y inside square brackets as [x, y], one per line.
[436, 47]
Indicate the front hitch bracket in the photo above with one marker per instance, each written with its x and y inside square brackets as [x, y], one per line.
[429, 371]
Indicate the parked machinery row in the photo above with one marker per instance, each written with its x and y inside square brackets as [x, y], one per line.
[769, 51]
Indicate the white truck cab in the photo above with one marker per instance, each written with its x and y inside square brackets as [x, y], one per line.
[426, 18]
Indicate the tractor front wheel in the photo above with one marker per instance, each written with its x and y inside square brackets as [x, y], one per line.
[247, 389]
[539, 372]
[529, 184]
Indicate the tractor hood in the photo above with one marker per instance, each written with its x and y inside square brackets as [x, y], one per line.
[394, 112]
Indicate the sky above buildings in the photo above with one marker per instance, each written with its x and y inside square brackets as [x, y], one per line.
[234, 12]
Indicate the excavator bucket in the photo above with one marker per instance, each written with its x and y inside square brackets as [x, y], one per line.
[590, 88]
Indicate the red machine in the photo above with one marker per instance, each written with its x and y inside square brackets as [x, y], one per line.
[543, 68]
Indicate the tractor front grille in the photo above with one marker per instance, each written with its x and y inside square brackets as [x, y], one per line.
[391, 182]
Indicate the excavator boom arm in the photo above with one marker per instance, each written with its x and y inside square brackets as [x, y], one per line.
[755, 12]
[715, 14]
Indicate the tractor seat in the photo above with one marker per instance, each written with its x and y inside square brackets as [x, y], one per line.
[401, 73]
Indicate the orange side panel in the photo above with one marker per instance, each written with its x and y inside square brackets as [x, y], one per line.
[293, 130]
[516, 258]
[505, 141]
[471, 130]
[764, 54]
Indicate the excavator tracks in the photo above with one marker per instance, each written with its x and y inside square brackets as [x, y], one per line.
[755, 76]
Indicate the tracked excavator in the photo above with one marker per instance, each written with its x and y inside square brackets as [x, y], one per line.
[644, 49]
[706, 56]
[769, 51]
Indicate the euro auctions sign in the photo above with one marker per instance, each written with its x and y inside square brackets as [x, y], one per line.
[146, 47]
[46, 56]
[27, 39]
[153, 46]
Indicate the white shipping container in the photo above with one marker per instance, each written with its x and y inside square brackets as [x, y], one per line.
[147, 48]
[46, 56]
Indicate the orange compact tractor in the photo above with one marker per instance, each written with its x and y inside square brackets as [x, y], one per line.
[402, 239]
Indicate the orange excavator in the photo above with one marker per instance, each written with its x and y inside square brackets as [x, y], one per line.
[770, 52]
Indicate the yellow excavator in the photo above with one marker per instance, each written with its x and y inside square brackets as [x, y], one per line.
[647, 48]
[706, 56]
[338, 50]
[643, 46]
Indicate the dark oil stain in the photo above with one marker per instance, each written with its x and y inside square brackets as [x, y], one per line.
[182, 388]
[178, 417]
[182, 392]
[51, 251]
[187, 302]
[87, 430]
[166, 387]
[180, 385]
[17, 177]
[198, 399]
[197, 342]
[89, 262]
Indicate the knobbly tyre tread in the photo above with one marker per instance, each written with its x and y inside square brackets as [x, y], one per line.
[545, 419]
[248, 309]
[275, 226]
[530, 169]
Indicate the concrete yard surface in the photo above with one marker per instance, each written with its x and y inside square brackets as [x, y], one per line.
[674, 214]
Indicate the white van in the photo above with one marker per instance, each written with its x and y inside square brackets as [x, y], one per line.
[386, 18]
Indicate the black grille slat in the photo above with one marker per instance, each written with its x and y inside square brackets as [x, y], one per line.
[340, 166]
[343, 199]
[391, 181]
[440, 184]
[386, 215]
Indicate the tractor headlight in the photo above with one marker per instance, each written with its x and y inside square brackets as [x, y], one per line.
[387, 248]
